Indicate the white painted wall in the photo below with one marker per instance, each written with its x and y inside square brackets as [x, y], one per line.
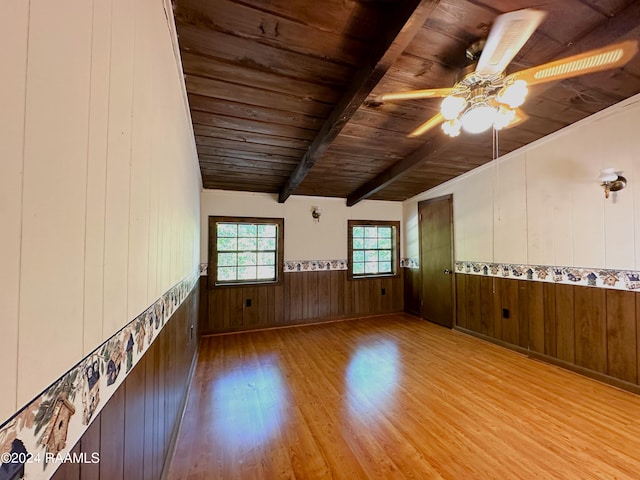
[99, 182]
[304, 239]
[543, 205]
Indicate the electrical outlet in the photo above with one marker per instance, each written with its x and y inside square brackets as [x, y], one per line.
[384, 291]
[506, 313]
[247, 303]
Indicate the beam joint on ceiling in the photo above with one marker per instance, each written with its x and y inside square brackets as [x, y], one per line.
[438, 143]
[403, 25]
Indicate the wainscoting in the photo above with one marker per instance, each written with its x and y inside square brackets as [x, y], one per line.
[304, 297]
[412, 286]
[133, 432]
[589, 330]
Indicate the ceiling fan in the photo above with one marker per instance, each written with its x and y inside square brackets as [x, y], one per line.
[485, 97]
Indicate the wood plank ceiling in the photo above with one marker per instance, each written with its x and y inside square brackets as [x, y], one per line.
[277, 88]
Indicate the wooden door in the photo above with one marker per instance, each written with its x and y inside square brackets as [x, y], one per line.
[436, 260]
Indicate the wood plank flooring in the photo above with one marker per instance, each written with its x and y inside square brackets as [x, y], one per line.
[395, 397]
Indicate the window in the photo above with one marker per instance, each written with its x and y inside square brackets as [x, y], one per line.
[245, 250]
[373, 248]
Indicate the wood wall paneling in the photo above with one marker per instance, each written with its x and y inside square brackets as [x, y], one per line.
[412, 287]
[461, 300]
[489, 295]
[595, 330]
[112, 428]
[565, 325]
[535, 311]
[132, 434]
[474, 303]
[509, 308]
[550, 324]
[304, 297]
[89, 445]
[523, 314]
[135, 421]
[622, 335]
[590, 328]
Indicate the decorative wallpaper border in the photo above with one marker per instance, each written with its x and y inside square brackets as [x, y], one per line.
[313, 265]
[410, 263]
[584, 276]
[300, 266]
[38, 438]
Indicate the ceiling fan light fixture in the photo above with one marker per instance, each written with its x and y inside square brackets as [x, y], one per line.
[452, 127]
[513, 94]
[504, 116]
[478, 118]
[452, 106]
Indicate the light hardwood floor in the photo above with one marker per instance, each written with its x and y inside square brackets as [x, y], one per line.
[395, 397]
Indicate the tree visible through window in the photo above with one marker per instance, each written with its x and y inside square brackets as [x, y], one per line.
[245, 250]
[373, 248]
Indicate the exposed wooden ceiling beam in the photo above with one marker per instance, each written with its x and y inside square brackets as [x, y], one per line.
[436, 144]
[404, 22]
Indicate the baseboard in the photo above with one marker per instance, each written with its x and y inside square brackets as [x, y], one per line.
[306, 323]
[592, 374]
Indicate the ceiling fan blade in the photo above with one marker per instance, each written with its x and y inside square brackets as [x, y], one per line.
[413, 94]
[428, 125]
[611, 56]
[508, 35]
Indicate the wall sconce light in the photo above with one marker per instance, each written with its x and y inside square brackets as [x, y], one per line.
[315, 213]
[611, 181]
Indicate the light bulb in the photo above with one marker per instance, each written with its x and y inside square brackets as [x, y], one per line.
[451, 107]
[452, 127]
[513, 94]
[504, 117]
[478, 118]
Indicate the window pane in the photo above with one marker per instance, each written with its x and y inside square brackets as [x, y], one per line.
[384, 232]
[371, 255]
[247, 244]
[384, 267]
[358, 256]
[226, 274]
[266, 231]
[266, 273]
[358, 243]
[227, 244]
[384, 255]
[370, 243]
[371, 267]
[247, 273]
[358, 231]
[371, 232]
[266, 258]
[246, 258]
[247, 230]
[384, 243]
[358, 268]
[227, 259]
[227, 230]
[266, 244]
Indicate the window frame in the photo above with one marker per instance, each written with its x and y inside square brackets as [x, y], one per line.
[213, 250]
[395, 254]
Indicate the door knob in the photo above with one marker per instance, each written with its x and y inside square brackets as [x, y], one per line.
[447, 271]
